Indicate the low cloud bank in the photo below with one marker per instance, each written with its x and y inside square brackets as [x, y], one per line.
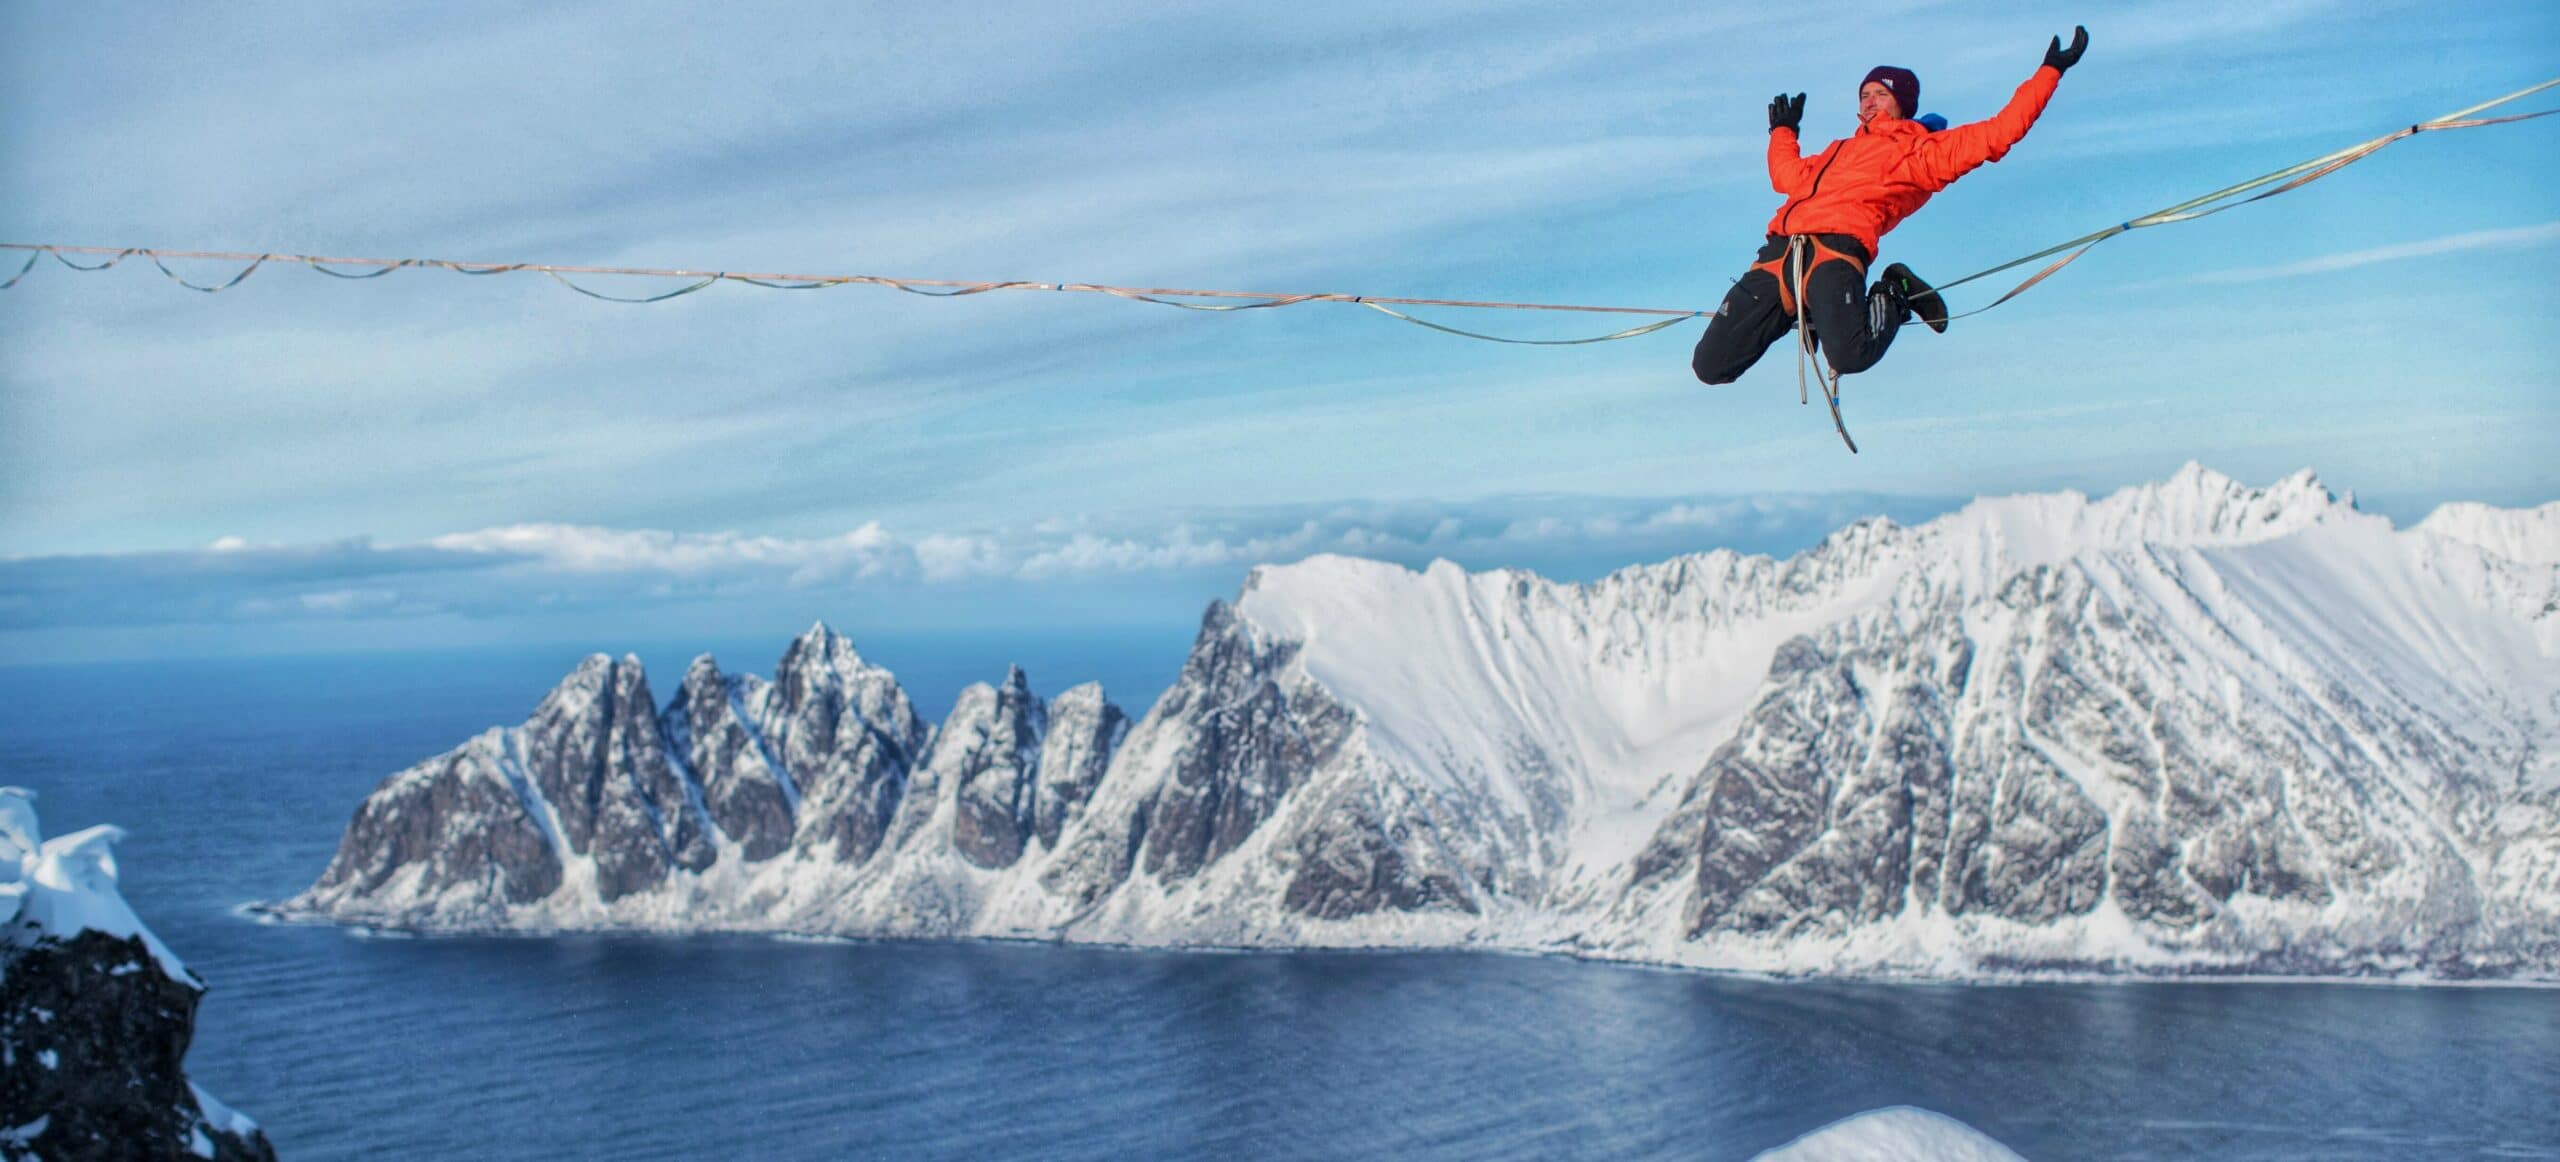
[511, 569]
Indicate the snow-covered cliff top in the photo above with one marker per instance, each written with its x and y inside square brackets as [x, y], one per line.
[62, 886]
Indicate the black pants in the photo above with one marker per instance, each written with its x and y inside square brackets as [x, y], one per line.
[1852, 324]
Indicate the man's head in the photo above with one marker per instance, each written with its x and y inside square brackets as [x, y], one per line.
[1888, 94]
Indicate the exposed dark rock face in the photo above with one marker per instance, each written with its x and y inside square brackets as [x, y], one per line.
[595, 752]
[1238, 731]
[454, 819]
[1350, 862]
[93, 1041]
[1805, 821]
[1852, 791]
[1084, 732]
[1249, 742]
[746, 790]
[998, 769]
[848, 739]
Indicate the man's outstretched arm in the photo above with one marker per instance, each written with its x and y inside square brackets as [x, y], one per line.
[1953, 153]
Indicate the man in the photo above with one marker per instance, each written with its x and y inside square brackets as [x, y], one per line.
[1839, 202]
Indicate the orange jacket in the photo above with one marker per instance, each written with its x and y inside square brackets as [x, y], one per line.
[1867, 183]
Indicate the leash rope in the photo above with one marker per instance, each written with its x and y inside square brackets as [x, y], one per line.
[1800, 263]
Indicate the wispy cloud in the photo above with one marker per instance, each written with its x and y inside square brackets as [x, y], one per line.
[2512, 238]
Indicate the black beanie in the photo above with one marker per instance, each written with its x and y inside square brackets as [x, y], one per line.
[1904, 83]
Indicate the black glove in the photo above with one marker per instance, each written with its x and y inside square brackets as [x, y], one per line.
[2060, 58]
[1786, 112]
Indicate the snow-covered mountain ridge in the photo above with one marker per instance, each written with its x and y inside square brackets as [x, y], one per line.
[2192, 726]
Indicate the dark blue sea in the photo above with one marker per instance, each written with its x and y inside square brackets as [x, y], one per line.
[234, 779]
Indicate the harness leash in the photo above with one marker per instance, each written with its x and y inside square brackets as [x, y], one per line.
[1804, 252]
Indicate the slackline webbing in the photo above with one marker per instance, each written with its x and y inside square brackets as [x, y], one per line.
[2302, 173]
[939, 288]
[2231, 197]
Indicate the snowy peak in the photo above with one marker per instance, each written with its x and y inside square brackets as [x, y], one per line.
[2527, 536]
[822, 675]
[820, 639]
[2195, 508]
[821, 648]
[595, 677]
[2198, 506]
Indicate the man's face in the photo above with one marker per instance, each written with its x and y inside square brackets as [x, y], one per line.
[1876, 104]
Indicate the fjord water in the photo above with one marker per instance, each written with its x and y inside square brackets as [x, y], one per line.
[234, 779]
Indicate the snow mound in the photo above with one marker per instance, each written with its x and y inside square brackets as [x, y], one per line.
[1894, 1134]
[57, 888]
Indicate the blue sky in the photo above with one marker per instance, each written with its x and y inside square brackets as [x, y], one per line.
[425, 458]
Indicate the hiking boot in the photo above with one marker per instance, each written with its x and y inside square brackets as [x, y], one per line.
[1918, 295]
